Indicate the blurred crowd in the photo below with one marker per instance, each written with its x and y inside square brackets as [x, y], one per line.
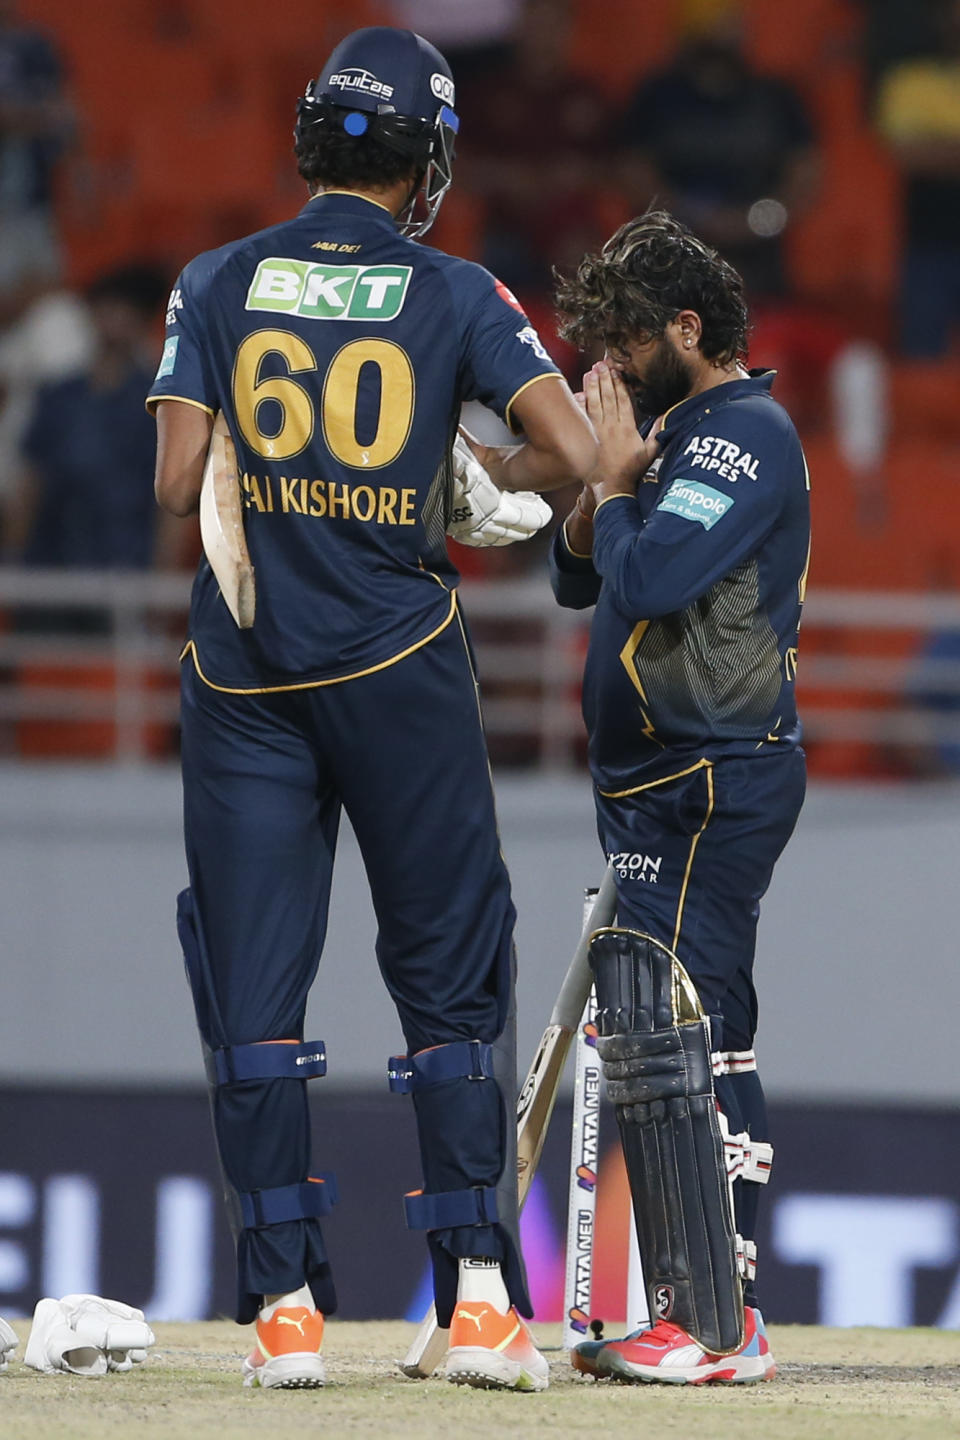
[817, 145]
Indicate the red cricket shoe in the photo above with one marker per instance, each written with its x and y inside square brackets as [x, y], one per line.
[493, 1351]
[667, 1355]
[287, 1354]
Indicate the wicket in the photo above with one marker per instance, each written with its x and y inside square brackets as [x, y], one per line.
[582, 1188]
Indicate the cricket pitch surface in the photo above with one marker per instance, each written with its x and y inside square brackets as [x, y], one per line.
[859, 1384]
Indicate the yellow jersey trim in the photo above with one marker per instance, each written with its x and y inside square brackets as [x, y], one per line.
[152, 401]
[356, 194]
[650, 784]
[569, 548]
[628, 659]
[547, 375]
[693, 850]
[191, 649]
[620, 495]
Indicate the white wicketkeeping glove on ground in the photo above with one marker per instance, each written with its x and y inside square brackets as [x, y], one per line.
[87, 1335]
[8, 1343]
[485, 515]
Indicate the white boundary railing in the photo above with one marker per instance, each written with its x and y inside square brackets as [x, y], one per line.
[529, 654]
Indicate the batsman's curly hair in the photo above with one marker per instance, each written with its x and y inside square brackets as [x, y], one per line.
[647, 272]
[334, 158]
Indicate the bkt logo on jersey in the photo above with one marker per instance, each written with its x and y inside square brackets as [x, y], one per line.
[329, 292]
[354, 80]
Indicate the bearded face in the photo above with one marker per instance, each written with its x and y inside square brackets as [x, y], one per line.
[656, 374]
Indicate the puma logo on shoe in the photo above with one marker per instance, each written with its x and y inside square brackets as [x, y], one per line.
[285, 1320]
[466, 1315]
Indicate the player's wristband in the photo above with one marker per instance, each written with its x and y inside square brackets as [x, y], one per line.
[577, 554]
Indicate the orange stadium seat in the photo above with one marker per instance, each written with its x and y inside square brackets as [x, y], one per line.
[617, 43]
[90, 737]
[925, 398]
[799, 40]
[844, 252]
[869, 532]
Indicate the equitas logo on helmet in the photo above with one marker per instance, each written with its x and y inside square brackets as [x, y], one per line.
[360, 82]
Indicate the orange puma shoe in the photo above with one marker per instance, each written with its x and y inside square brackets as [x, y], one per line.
[287, 1354]
[493, 1351]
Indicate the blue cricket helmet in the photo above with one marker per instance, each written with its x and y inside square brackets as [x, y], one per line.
[397, 88]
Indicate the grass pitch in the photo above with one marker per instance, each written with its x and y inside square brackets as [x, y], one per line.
[832, 1385]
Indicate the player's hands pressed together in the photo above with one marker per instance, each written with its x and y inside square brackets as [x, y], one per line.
[624, 454]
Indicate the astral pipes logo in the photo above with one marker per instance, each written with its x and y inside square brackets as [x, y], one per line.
[359, 82]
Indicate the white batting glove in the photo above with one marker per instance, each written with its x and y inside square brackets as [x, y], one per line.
[8, 1343]
[87, 1335]
[483, 514]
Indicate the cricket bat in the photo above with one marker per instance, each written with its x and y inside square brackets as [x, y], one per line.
[221, 527]
[535, 1102]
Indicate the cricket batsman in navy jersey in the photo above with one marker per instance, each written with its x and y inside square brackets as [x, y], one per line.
[339, 351]
[692, 541]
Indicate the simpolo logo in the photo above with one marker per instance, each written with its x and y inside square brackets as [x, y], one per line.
[693, 500]
[329, 292]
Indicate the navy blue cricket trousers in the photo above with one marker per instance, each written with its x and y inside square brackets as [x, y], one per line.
[402, 751]
[694, 854]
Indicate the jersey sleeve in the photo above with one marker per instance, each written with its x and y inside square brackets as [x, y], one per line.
[502, 353]
[575, 583]
[184, 372]
[722, 498]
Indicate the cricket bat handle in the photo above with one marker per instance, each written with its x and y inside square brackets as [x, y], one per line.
[575, 990]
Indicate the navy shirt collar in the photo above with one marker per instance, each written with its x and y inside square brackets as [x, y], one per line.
[344, 202]
[757, 382]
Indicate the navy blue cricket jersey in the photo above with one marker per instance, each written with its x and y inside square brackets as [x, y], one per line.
[698, 584]
[340, 353]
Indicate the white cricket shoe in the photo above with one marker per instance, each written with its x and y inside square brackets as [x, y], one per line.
[287, 1353]
[492, 1351]
[667, 1355]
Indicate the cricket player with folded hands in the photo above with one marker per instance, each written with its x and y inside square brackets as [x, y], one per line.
[338, 353]
[692, 540]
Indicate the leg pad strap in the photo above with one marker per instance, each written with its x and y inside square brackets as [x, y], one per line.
[269, 1060]
[308, 1200]
[733, 1062]
[460, 1060]
[746, 1158]
[449, 1209]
